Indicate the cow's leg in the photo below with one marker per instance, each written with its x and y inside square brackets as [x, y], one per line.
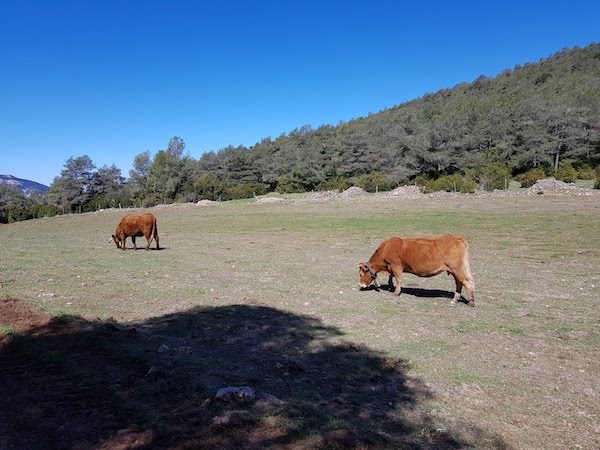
[391, 282]
[133, 239]
[470, 288]
[465, 280]
[396, 272]
[148, 241]
[458, 290]
[124, 242]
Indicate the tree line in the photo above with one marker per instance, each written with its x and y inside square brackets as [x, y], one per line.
[528, 122]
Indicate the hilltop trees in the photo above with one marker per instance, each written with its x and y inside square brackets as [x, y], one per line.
[13, 205]
[82, 187]
[108, 188]
[537, 120]
[541, 115]
[73, 188]
[138, 175]
[166, 175]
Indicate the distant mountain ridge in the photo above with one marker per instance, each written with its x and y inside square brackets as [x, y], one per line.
[28, 187]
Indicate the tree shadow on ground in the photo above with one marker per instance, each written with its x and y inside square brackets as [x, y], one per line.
[75, 383]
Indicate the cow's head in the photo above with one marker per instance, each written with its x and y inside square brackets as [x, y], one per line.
[116, 240]
[367, 276]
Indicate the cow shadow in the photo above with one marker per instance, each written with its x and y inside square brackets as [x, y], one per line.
[142, 248]
[433, 293]
[77, 383]
[417, 292]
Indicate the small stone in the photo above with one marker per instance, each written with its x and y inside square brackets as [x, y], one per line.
[164, 348]
[234, 394]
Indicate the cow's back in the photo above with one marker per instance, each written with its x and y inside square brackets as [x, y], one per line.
[137, 225]
[426, 256]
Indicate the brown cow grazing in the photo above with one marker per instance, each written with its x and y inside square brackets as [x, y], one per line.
[424, 257]
[136, 225]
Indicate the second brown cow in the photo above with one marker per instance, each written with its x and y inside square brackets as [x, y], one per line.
[424, 257]
[133, 225]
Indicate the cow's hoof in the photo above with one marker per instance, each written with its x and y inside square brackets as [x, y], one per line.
[472, 304]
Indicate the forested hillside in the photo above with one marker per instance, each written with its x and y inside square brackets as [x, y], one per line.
[536, 115]
[532, 121]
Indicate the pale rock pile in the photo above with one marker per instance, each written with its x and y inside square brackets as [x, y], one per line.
[206, 203]
[269, 201]
[405, 192]
[352, 192]
[552, 186]
[322, 196]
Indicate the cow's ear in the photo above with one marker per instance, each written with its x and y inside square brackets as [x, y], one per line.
[363, 267]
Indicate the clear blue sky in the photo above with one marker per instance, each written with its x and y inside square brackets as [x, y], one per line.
[111, 79]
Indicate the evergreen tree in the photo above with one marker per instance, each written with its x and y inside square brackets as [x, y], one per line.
[73, 189]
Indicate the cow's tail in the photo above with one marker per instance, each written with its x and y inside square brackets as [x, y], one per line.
[467, 258]
[469, 283]
[155, 233]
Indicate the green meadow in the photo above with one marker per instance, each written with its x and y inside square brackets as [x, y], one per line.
[520, 370]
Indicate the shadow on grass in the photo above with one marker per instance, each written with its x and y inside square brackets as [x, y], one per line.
[418, 292]
[75, 383]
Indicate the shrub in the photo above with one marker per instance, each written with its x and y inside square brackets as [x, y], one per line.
[420, 180]
[151, 199]
[334, 184]
[208, 187]
[451, 183]
[566, 173]
[286, 184]
[586, 172]
[530, 177]
[306, 178]
[47, 210]
[493, 176]
[16, 213]
[245, 190]
[374, 182]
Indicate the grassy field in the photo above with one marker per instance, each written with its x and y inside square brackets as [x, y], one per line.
[267, 296]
